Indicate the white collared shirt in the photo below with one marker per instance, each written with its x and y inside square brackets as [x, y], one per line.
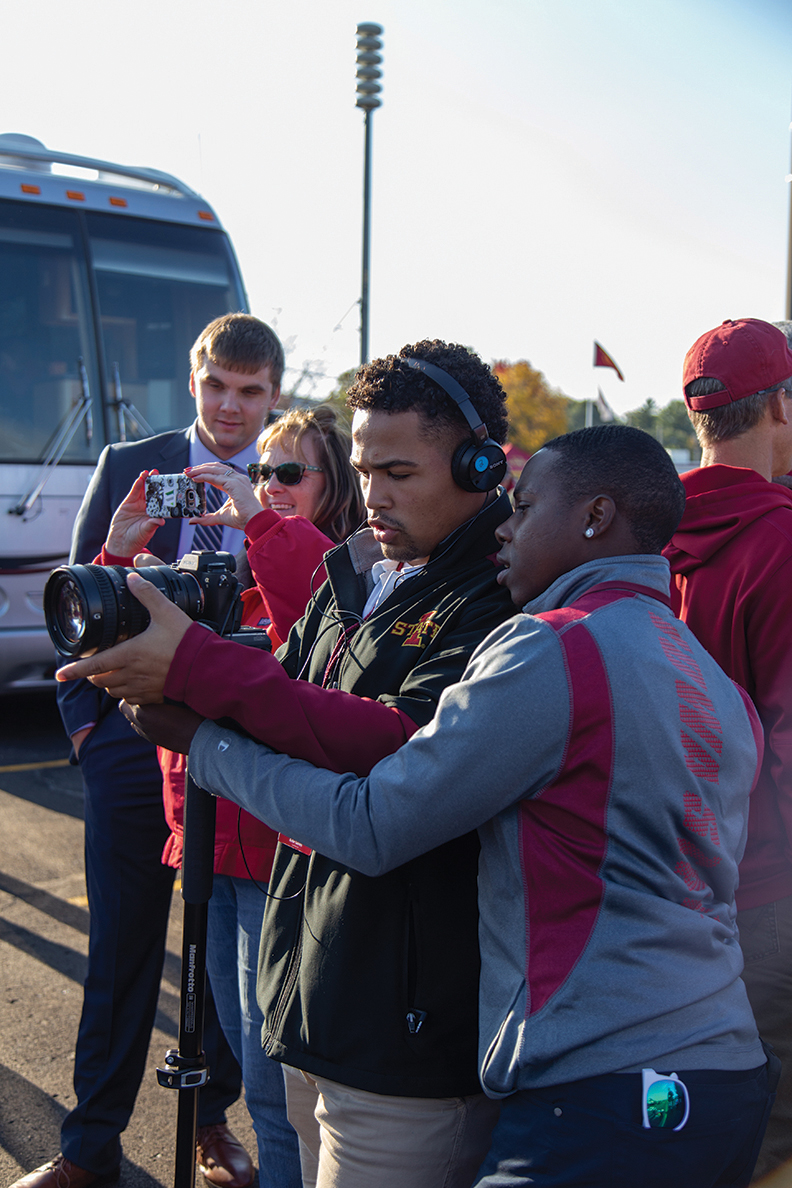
[387, 576]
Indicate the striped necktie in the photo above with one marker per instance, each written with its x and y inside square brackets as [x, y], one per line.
[210, 536]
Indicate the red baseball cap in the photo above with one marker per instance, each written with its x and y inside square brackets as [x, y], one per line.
[746, 356]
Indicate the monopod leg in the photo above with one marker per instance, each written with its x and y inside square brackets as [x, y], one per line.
[186, 1068]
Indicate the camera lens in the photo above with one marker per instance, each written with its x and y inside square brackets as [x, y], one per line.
[89, 607]
[70, 612]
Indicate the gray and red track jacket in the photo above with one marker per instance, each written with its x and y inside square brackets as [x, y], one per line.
[608, 761]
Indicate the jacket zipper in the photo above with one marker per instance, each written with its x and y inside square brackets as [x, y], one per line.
[289, 982]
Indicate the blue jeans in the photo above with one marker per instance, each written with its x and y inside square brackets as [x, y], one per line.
[236, 910]
[589, 1134]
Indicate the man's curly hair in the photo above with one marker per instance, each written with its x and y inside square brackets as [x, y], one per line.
[391, 385]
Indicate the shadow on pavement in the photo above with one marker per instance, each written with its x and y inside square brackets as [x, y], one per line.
[74, 965]
[57, 789]
[65, 913]
[59, 957]
[30, 1122]
[31, 719]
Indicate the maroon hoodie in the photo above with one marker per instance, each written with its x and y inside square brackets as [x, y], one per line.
[731, 560]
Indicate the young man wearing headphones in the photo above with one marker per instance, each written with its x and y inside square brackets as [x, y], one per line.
[369, 986]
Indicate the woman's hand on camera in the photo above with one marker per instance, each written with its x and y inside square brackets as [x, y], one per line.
[241, 504]
[131, 528]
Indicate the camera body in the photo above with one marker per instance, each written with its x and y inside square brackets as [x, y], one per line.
[174, 496]
[89, 608]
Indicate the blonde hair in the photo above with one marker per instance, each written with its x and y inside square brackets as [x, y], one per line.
[341, 509]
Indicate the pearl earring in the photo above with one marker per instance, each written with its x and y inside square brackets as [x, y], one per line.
[589, 533]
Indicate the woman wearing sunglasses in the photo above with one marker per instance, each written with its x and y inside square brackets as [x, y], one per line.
[303, 471]
[305, 479]
[301, 498]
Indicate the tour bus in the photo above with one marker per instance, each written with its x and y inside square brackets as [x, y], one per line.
[107, 276]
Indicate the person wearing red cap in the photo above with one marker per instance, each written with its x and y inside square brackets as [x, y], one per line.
[731, 558]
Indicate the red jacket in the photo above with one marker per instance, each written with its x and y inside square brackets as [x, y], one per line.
[731, 558]
[283, 553]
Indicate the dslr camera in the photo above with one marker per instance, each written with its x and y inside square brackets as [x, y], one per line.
[89, 608]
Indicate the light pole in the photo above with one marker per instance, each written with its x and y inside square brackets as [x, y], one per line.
[369, 59]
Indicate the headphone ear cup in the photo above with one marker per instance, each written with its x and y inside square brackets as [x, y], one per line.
[478, 465]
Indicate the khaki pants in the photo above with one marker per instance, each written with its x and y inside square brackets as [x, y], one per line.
[353, 1139]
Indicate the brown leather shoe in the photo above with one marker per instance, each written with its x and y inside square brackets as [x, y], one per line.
[220, 1156]
[62, 1173]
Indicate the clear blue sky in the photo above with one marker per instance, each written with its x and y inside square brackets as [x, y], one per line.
[546, 172]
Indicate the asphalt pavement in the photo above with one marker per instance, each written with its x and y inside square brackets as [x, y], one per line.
[43, 948]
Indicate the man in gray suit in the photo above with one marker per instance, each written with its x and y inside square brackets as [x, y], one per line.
[237, 364]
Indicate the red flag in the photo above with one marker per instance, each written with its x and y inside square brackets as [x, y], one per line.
[603, 359]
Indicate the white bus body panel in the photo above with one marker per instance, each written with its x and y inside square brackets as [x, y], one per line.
[37, 542]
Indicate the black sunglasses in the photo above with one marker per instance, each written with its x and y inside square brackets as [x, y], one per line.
[288, 473]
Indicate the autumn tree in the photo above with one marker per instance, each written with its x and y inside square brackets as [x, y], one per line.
[675, 430]
[537, 412]
[339, 393]
[670, 425]
[644, 417]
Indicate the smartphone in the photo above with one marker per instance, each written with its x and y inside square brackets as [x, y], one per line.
[174, 496]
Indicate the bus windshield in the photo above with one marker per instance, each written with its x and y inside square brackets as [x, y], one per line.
[45, 328]
[155, 283]
[125, 296]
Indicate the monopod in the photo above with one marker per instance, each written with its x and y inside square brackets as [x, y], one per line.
[185, 1067]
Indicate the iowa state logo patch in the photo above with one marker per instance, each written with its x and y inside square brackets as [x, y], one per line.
[416, 635]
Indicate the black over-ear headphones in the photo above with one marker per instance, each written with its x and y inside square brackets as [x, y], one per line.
[480, 463]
